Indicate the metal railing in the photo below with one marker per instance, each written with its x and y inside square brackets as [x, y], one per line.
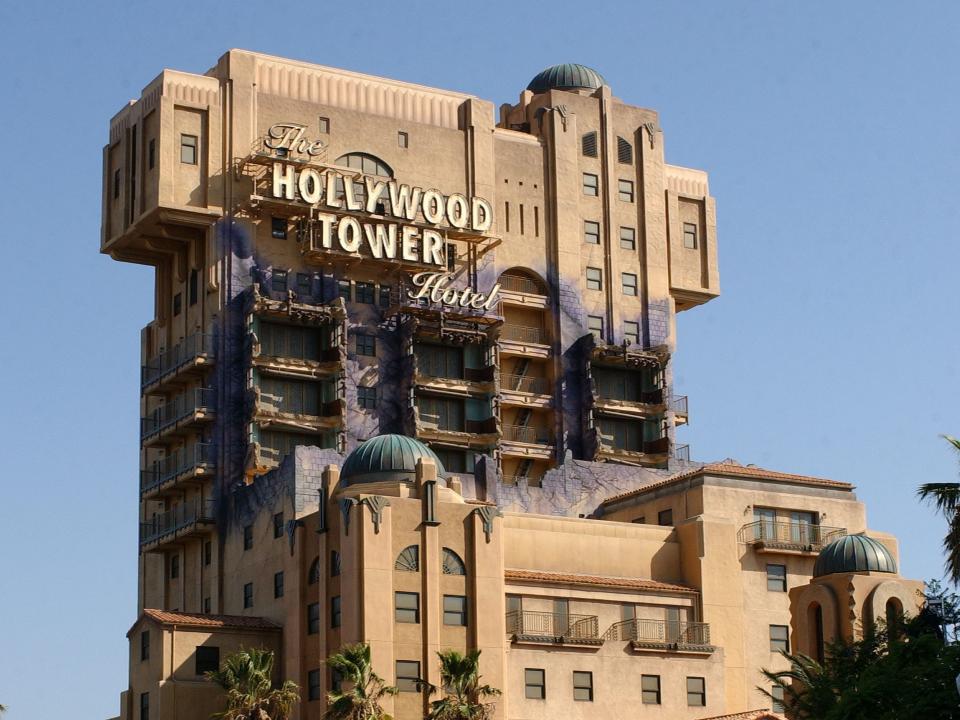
[796, 535]
[484, 374]
[612, 390]
[525, 383]
[528, 434]
[183, 353]
[181, 407]
[523, 333]
[680, 452]
[555, 626]
[518, 283]
[176, 463]
[678, 404]
[528, 480]
[172, 521]
[660, 632]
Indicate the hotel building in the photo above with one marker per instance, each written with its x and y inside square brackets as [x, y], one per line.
[409, 383]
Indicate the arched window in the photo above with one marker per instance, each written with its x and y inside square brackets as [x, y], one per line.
[366, 163]
[408, 560]
[894, 612]
[313, 575]
[624, 151]
[452, 564]
[334, 563]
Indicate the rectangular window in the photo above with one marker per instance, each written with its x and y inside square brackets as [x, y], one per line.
[628, 238]
[777, 578]
[313, 685]
[778, 705]
[650, 689]
[336, 681]
[367, 397]
[144, 706]
[177, 304]
[779, 638]
[248, 595]
[334, 563]
[696, 691]
[367, 345]
[174, 567]
[278, 525]
[151, 153]
[278, 281]
[452, 257]
[625, 190]
[582, 686]
[324, 125]
[116, 184]
[304, 284]
[407, 607]
[343, 290]
[206, 605]
[193, 289]
[403, 139]
[595, 326]
[188, 149]
[594, 279]
[631, 331]
[313, 618]
[278, 584]
[591, 232]
[248, 537]
[366, 292]
[144, 645]
[628, 284]
[628, 611]
[384, 296]
[335, 611]
[408, 676]
[514, 604]
[665, 517]
[535, 684]
[207, 552]
[206, 659]
[690, 236]
[591, 184]
[455, 610]
[278, 228]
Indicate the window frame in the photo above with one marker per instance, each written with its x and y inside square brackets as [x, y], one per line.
[208, 663]
[591, 184]
[313, 685]
[589, 236]
[691, 235]
[278, 227]
[247, 595]
[403, 139]
[625, 191]
[365, 292]
[144, 645]
[405, 682]
[278, 525]
[323, 125]
[657, 699]
[247, 537]
[399, 610]
[594, 278]
[778, 582]
[336, 611]
[541, 684]
[313, 618]
[665, 517]
[367, 397]
[278, 585]
[588, 686]
[596, 332]
[626, 287]
[456, 617]
[365, 345]
[778, 644]
[190, 144]
[700, 694]
[628, 235]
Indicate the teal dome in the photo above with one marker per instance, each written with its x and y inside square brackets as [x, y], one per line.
[387, 457]
[567, 76]
[854, 553]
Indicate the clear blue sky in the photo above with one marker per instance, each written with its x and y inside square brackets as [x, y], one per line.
[830, 133]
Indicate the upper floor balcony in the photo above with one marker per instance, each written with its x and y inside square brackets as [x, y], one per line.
[516, 289]
[527, 441]
[678, 406]
[185, 465]
[463, 380]
[528, 626]
[662, 635]
[186, 520]
[184, 413]
[525, 390]
[776, 536]
[525, 340]
[188, 357]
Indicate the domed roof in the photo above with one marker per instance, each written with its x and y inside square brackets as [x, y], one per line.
[854, 553]
[387, 457]
[567, 76]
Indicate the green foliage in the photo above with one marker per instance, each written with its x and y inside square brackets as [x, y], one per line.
[946, 498]
[907, 674]
[463, 694]
[247, 678]
[363, 689]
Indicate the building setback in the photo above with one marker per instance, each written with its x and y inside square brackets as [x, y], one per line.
[409, 383]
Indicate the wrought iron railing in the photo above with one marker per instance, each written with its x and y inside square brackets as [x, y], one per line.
[179, 518]
[789, 534]
[528, 434]
[525, 383]
[518, 283]
[484, 374]
[556, 626]
[660, 632]
[168, 362]
[176, 463]
[610, 389]
[678, 404]
[523, 333]
[180, 408]
[680, 452]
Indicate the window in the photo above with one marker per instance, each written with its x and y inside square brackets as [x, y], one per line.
[779, 638]
[650, 689]
[144, 645]
[408, 560]
[304, 284]
[408, 676]
[336, 681]
[278, 584]
[366, 292]
[439, 361]
[535, 684]
[247, 537]
[624, 151]
[207, 659]
[174, 567]
[384, 296]
[192, 290]
[583, 686]
[278, 228]
[177, 304]
[207, 552]
[188, 149]
[777, 578]
[313, 685]
[514, 604]
[407, 607]
[690, 236]
[455, 610]
[334, 563]
[367, 345]
[591, 232]
[594, 279]
[588, 144]
[595, 326]
[116, 184]
[665, 517]
[323, 125]
[628, 284]
[151, 153]
[452, 254]
[335, 611]
[206, 605]
[403, 139]
[628, 238]
[302, 343]
[631, 332]
[343, 290]
[696, 691]
[313, 574]
[778, 705]
[367, 397]
[278, 525]
[628, 611]
[144, 706]
[365, 163]
[278, 281]
[591, 185]
[452, 564]
[625, 190]
[313, 618]
[248, 595]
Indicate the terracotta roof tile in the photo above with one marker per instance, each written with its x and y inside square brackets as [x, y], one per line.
[596, 580]
[749, 715]
[730, 468]
[200, 620]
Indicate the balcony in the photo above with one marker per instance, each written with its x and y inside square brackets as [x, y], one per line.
[525, 291]
[774, 536]
[526, 441]
[680, 452]
[192, 354]
[525, 340]
[465, 382]
[189, 464]
[678, 406]
[646, 452]
[476, 434]
[191, 519]
[523, 480]
[526, 390]
[662, 635]
[182, 413]
[553, 628]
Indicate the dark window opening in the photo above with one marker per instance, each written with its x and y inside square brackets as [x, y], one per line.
[207, 659]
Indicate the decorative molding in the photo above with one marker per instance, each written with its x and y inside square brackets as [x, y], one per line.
[652, 130]
[487, 513]
[345, 505]
[292, 526]
[376, 503]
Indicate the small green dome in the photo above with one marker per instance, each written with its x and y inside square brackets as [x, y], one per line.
[567, 76]
[854, 553]
[387, 457]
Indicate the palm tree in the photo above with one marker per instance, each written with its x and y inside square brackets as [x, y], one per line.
[946, 498]
[463, 694]
[247, 676]
[363, 688]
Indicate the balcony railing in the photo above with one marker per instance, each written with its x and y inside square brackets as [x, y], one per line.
[789, 535]
[554, 627]
[528, 480]
[188, 350]
[523, 333]
[666, 633]
[484, 374]
[180, 518]
[176, 463]
[680, 452]
[525, 383]
[528, 434]
[607, 390]
[178, 409]
[678, 404]
[517, 283]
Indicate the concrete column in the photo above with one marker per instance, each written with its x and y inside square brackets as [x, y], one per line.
[376, 584]
[431, 600]
[487, 591]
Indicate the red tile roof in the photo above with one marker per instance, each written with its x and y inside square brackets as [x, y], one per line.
[200, 620]
[596, 580]
[730, 468]
[748, 715]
